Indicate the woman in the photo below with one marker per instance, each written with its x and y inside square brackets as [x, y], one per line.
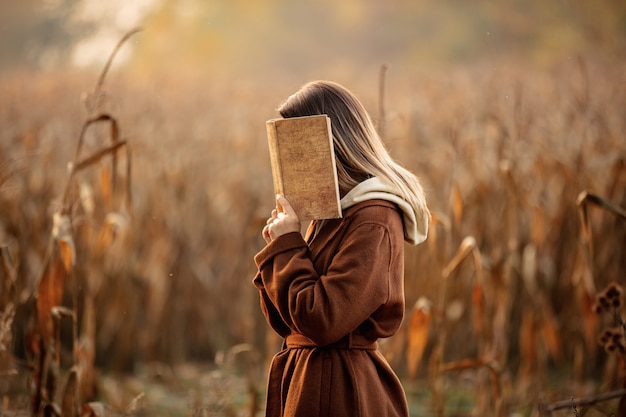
[333, 293]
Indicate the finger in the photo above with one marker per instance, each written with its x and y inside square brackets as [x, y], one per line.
[279, 207]
[272, 216]
[287, 209]
[266, 234]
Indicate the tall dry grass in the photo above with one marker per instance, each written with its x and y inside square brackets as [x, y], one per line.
[504, 153]
[510, 153]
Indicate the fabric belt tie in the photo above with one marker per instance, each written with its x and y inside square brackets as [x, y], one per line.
[351, 341]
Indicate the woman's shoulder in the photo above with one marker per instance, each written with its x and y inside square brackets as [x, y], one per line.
[376, 210]
[375, 214]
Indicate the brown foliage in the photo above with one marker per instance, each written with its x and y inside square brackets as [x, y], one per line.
[503, 155]
[418, 329]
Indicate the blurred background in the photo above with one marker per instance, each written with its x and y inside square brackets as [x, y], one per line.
[260, 38]
[506, 110]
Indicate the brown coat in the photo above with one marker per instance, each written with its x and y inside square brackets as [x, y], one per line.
[331, 300]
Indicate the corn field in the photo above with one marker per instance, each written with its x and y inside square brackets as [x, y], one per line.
[130, 213]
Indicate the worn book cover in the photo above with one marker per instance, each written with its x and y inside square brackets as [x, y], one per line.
[303, 165]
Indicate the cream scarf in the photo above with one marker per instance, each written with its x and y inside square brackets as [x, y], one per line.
[415, 224]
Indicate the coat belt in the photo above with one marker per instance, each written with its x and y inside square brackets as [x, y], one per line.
[350, 341]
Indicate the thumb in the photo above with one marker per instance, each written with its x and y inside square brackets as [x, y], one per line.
[281, 201]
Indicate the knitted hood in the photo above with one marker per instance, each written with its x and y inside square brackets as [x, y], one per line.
[415, 223]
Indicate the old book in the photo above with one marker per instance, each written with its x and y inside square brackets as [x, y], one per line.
[303, 165]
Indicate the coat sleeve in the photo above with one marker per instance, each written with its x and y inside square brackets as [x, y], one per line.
[291, 242]
[325, 308]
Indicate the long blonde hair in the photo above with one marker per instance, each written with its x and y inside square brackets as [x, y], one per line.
[359, 151]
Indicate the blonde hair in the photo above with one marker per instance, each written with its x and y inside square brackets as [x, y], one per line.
[359, 151]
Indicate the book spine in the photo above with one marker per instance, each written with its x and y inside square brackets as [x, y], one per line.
[272, 138]
[331, 148]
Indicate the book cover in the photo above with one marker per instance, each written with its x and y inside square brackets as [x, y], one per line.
[303, 165]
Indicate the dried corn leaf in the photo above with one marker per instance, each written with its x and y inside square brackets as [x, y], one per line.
[77, 165]
[457, 204]
[437, 219]
[66, 252]
[61, 233]
[134, 405]
[478, 296]
[584, 215]
[69, 402]
[105, 185]
[465, 248]
[419, 324]
[585, 197]
[58, 312]
[116, 224]
[94, 158]
[52, 282]
[529, 269]
[50, 293]
[583, 200]
[86, 198]
[94, 409]
[96, 119]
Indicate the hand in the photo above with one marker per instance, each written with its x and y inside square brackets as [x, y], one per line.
[283, 220]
